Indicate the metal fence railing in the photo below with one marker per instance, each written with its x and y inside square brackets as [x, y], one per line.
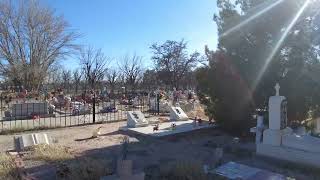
[25, 111]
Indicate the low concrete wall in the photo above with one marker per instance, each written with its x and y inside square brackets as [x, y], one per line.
[289, 154]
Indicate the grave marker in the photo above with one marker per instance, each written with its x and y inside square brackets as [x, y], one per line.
[177, 114]
[136, 119]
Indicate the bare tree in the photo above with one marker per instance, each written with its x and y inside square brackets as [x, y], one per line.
[150, 80]
[112, 77]
[54, 77]
[132, 69]
[173, 62]
[66, 79]
[32, 38]
[94, 65]
[76, 79]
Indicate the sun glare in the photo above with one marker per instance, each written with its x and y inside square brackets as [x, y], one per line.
[280, 41]
[252, 17]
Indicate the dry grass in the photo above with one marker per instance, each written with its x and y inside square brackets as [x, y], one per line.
[84, 169]
[49, 153]
[8, 169]
[19, 129]
[12, 130]
[198, 111]
[69, 166]
[183, 170]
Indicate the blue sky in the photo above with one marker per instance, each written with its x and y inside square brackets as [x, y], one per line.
[123, 27]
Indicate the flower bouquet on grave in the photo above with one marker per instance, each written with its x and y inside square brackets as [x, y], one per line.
[173, 126]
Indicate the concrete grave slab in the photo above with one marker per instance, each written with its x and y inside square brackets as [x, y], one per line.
[165, 129]
[233, 170]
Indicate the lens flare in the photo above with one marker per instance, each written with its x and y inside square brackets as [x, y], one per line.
[254, 16]
[279, 42]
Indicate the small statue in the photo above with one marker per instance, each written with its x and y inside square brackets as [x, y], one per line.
[96, 132]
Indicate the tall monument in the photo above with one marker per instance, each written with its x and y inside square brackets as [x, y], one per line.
[279, 141]
[277, 118]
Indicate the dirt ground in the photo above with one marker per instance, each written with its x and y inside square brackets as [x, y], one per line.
[147, 152]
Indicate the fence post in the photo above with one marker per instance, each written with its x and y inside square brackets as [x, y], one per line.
[94, 107]
[158, 103]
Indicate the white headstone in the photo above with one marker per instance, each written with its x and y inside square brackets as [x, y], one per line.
[177, 114]
[136, 119]
[27, 140]
[277, 112]
[41, 138]
[277, 119]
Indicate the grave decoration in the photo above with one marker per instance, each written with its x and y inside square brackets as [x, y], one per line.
[173, 126]
[96, 132]
[108, 110]
[81, 109]
[156, 127]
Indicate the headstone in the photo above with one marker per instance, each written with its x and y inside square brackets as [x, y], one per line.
[177, 114]
[282, 142]
[136, 119]
[277, 111]
[41, 138]
[277, 119]
[28, 140]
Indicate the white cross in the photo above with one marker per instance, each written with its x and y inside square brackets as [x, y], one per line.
[277, 87]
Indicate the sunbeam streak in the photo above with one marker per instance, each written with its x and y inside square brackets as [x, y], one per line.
[279, 43]
[251, 18]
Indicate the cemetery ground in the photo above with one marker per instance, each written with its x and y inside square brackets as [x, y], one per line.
[74, 155]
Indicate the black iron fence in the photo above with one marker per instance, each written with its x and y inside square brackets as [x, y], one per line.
[24, 111]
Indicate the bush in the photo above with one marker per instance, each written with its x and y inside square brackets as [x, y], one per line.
[227, 97]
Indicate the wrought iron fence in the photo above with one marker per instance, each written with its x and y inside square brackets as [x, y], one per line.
[25, 111]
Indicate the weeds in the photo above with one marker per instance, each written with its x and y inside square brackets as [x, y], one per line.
[182, 170]
[84, 169]
[8, 170]
[50, 153]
